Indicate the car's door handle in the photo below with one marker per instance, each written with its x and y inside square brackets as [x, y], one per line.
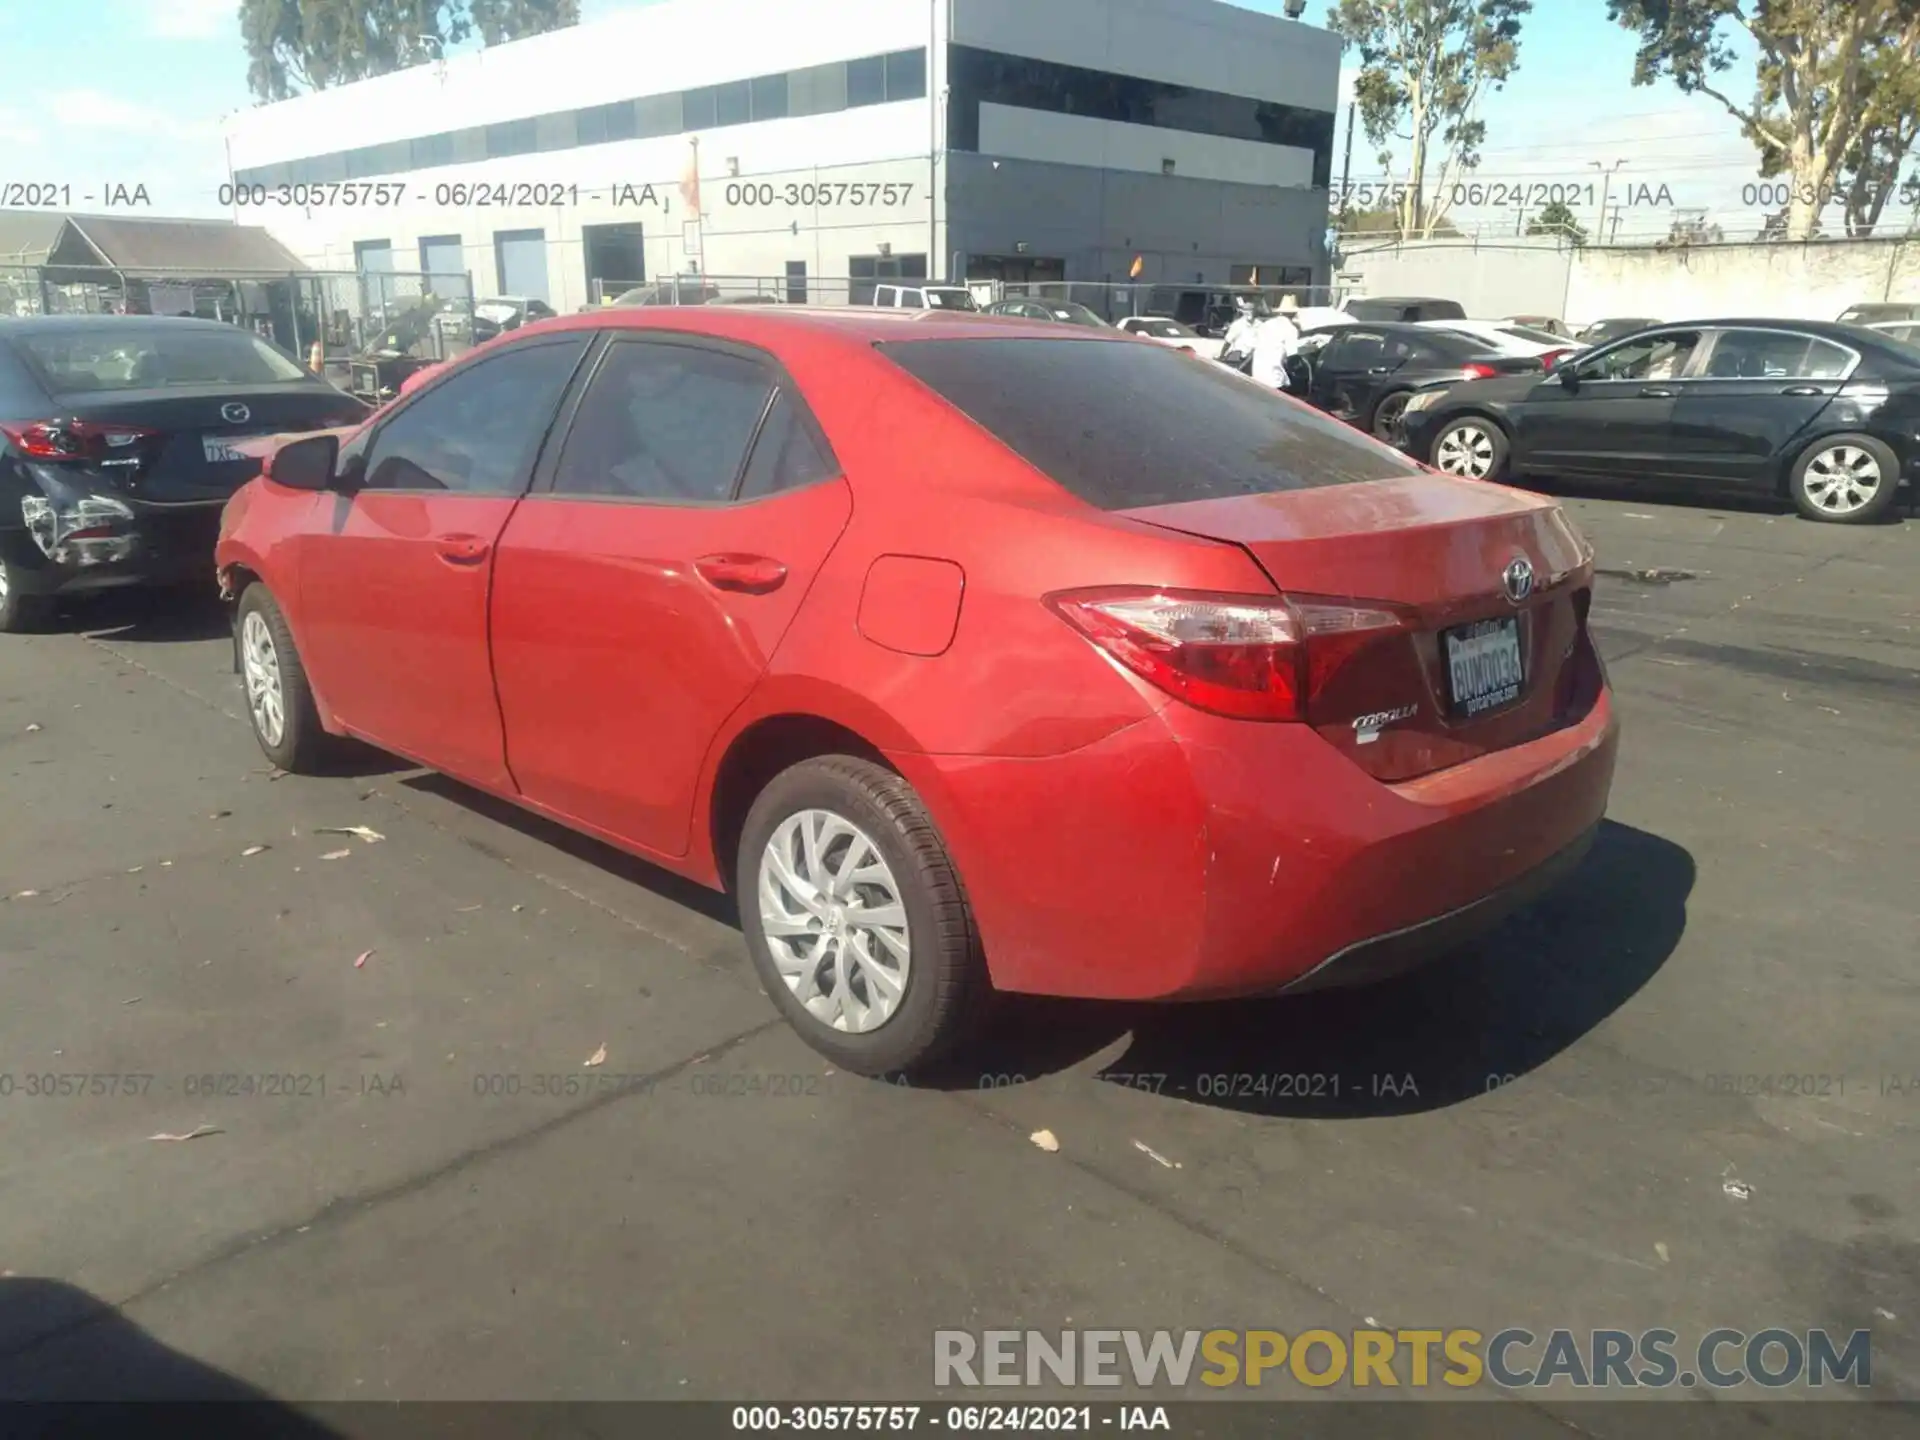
[1657, 392]
[1803, 390]
[463, 549]
[754, 574]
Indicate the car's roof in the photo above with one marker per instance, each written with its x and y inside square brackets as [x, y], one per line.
[54, 324]
[857, 324]
[1400, 300]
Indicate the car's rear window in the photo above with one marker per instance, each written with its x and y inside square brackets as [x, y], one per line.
[145, 357]
[1123, 425]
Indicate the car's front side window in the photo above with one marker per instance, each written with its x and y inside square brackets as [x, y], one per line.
[476, 431]
[1650, 357]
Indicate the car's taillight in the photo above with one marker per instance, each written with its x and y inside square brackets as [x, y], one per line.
[1480, 370]
[73, 439]
[1252, 657]
[1549, 359]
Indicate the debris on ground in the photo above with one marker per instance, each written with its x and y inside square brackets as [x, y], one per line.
[135, 870]
[252, 850]
[518, 908]
[599, 1057]
[336, 855]
[361, 960]
[1154, 1155]
[32, 728]
[358, 831]
[1737, 1190]
[465, 908]
[219, 814]
[133, 1000]
[1660, 1249]
[198, 1132]
[1045, 1140]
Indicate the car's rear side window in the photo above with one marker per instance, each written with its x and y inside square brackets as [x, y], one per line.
[1124, 425]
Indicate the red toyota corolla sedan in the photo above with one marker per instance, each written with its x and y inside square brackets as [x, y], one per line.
[969, 654]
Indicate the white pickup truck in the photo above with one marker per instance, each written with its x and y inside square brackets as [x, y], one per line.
[924, 297]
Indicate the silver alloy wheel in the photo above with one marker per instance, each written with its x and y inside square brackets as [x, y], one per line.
[1842, 479]
[6, 583]
[1465, 450]
[1388, 417]
[260, 663]
[835, 923]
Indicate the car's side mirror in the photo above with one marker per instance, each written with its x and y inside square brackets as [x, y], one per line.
[304, 464]
[1567, 373]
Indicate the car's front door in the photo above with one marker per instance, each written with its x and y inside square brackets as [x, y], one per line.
[642, 586]
[1350, 369]
[1615, 421]
[393, 590]
[1755, 391]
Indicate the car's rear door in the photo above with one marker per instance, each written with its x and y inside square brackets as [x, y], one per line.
[1346, 370]
[1755, 390]
[642, 587]
[392, 619]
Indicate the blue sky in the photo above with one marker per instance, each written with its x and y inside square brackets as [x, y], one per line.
[146, 108]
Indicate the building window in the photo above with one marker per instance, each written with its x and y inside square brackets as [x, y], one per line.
[520, 263]
[769, 97]
[604, 123]
[444, 257]
[820, 90]
[512, 137]
[373, 256]
[469, 145]
[556, 132]
[616, 257]
[906, 75]
[733, 103]
[697, 109]
[867, 82]
[976, 76]
[796, 282]
[430, 151]
[659, 115]
[865, 270]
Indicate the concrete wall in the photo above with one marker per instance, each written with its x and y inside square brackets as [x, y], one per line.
[1815, 281]
[1517, 277]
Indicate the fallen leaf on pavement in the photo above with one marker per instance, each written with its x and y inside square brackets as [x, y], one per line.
[1154, 1155]
[251, 850]
[336, 855]
[365, 955]
[32, 728]
[599, 1057]
[1045, 1140]
[370, 836]
[194, 1134]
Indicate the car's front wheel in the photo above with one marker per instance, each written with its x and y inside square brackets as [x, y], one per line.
[1388, 416]
[1845, 480]
[280, 705]
[1471, 447]
[856, 917]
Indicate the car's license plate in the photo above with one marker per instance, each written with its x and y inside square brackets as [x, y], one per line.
[1483, 665]
[219, 448]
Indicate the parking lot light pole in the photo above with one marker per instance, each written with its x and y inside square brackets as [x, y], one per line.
[1606, 185]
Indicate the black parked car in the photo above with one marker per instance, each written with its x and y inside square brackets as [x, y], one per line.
[1825, 414]
[116, 447]
[1363, 374]
[1404, 309]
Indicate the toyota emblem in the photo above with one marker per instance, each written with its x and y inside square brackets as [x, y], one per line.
[1517, 578]
[234, 413]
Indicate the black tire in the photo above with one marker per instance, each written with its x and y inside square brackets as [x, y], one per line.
[1501, 450]
[1387, 416]
[302, 746]
[20, 613]
[1803, 487]
[946, 991]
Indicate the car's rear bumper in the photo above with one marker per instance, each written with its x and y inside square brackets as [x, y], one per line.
[1190, 856]
[167, 546]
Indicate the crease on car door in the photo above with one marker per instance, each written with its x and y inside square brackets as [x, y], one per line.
[642, 587]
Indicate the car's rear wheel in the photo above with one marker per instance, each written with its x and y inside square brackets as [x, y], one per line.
[856, 917]
[1387, 418]
[1845, 480]
[19, 611]
[280, 705]
[1471, 447]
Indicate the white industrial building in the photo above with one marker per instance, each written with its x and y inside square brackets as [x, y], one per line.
[1059, 139]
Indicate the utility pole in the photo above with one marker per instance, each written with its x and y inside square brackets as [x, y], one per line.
[1606, 185]
[1346, 165]
[933, 143]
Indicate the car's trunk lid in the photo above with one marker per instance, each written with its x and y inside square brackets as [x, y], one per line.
[1435, 551]
[190, 454]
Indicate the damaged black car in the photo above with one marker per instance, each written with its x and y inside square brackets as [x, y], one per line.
[118, 447]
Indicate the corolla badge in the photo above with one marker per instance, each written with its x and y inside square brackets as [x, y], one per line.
[234, 413]
[1517, 579]
[1367, 728]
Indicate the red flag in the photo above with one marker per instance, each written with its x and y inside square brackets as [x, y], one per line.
[690, 182]
[1139, 264]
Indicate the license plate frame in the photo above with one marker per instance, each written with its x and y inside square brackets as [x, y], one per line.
[1501, 680]
[218, 449]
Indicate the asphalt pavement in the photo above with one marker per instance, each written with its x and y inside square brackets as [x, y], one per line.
[1682, 1091]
